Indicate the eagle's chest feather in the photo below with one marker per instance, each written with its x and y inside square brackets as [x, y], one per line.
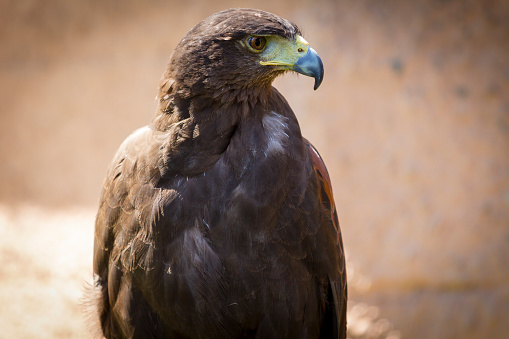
[236, 235]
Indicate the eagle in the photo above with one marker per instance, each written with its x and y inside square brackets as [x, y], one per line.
[217, 220]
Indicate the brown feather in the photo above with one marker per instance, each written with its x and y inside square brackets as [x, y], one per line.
[217, 220]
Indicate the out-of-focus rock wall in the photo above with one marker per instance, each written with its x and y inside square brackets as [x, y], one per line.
[412, 120]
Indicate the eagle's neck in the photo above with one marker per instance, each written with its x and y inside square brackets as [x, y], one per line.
[196, 132]
[197, 129]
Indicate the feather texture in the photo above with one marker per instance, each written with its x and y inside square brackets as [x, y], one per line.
[217, 220]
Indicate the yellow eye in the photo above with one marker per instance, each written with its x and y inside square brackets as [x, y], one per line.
[257, 43]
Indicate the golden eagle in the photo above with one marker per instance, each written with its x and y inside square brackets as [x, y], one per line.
[217, 220]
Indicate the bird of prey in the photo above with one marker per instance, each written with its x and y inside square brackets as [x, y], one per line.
[217, 220]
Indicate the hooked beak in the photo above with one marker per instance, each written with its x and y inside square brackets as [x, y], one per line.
[294, 55]
[310, 65]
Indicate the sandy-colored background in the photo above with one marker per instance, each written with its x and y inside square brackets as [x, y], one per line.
[412, 119]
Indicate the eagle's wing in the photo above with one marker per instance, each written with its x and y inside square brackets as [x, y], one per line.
[124, 234]
[336, 310]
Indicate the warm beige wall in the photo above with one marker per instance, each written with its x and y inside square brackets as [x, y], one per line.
[412, 119]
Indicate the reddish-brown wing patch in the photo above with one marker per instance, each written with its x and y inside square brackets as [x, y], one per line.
[326, 196]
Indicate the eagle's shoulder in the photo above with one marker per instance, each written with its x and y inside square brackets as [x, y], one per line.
[127, 193]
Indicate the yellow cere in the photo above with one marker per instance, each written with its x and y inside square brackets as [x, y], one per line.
[283, 52]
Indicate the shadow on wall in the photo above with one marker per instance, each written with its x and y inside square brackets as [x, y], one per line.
[412, 120]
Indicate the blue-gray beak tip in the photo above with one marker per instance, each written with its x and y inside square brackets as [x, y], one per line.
[312, 66]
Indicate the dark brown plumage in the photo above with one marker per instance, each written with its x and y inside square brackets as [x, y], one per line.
[217, 220]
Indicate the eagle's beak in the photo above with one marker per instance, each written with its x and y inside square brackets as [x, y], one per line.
[310, 65]
[296, 56]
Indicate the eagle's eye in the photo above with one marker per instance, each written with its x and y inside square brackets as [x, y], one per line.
[257, 43]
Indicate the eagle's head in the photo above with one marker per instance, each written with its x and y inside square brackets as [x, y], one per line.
[238, 51]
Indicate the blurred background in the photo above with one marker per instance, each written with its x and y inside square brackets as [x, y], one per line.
[412, 120]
